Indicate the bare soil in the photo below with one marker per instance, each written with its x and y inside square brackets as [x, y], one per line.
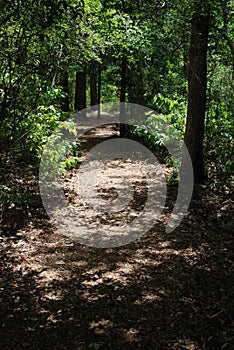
[162, 291]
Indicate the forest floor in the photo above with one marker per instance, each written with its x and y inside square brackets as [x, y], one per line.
[162, 291]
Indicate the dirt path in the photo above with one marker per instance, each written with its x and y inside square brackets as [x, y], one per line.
[162, 291]
[115, 193]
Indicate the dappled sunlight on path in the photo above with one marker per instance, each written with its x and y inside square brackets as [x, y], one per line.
[162, 291]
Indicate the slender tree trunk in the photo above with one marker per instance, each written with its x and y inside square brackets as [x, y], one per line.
[123, 126]
[197, 84]
[99, 89]
[3, 116]
[65, 86]
[123, 79]
[80, 92]
[3, 109]
[93, 84]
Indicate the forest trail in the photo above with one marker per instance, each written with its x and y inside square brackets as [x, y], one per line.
[109, 189]
[162, 291]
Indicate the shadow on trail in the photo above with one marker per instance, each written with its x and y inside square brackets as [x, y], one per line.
[163, 291]
[156, 293]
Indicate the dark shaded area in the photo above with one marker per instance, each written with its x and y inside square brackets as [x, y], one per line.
[164, 291]
[56, 294]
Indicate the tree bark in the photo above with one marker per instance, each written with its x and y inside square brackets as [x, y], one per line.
[123, 126]
[64, 83]
[197, 85]
[123, 79]
[99, 89]
[80, 92]
[3, 109]
[93, 84]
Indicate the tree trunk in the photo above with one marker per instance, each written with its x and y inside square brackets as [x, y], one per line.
[3, 108]
[80, 92]
[99, 90]
[123, 79]
[197, 84]
[64, 83]
[123, 126]
[93, 84]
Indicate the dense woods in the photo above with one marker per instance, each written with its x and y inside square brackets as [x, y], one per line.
[62, 56]
[59, 57]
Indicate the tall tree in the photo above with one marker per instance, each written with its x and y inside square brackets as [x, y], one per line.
[93, 83]
[124, 128]
[64, 82]
[99, 90]
[80, 92]
[197, 84]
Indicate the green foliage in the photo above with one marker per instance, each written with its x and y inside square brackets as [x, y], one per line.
[70, 163]
[219, 149]
[41, 123]
[174, 111]
[37, 44]
[219, 143]
[59, 153]
[164, 127]
[42, 41]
